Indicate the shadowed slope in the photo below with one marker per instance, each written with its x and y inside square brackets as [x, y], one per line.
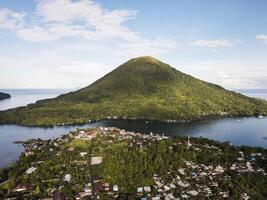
[143, 88]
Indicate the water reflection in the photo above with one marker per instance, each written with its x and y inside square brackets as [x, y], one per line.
[249, 131]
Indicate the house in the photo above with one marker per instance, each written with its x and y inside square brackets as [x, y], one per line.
[219, 169]
[192, 192]
[81, 195]
[140, 189]
[233, 167]
[115, 188]
[31, 170]
[71, 149]
[194, 174]
[67, 177]
[83, 154]
[170, 196]
[20, 188]
[96, 160]
[29, 153]
[182, 184]
[147, 189]
[87, 189]
[188, 142]
[166, 188]
[185, 196]
[159, 184]
[181, 171]
[249, 167]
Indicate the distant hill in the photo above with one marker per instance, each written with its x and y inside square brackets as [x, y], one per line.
[4, 96]
[142, 88]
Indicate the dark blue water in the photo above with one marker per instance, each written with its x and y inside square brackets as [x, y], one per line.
[245, 131]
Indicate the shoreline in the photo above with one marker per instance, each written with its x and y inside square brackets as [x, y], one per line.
[171, 121]
[97, 149]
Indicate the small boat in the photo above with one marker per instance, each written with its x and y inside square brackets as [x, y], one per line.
[260, 116]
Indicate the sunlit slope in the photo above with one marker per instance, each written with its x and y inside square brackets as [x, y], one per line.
[143, 88]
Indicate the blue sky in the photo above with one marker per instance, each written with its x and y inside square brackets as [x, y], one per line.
[71, 43]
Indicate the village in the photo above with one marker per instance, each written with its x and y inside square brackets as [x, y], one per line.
[78, 166]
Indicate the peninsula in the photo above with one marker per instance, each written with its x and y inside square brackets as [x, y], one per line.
[110, 163]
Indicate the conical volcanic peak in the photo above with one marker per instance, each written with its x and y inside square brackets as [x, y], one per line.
[144, 63]
[141, 88]
[145, 59]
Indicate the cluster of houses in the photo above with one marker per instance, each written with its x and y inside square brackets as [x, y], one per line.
[247, 163]
[191, 180]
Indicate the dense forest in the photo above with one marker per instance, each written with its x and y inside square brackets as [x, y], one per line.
[143, 88]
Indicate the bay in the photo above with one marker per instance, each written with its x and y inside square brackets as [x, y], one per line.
[242, 131]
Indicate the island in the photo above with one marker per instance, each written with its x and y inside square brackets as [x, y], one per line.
[110, 163]
[4, 96]
[142, 88]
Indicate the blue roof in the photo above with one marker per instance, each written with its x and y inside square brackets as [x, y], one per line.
[194, 174]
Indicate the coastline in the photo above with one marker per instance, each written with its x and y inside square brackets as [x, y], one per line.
[102, 146]
[174, 121]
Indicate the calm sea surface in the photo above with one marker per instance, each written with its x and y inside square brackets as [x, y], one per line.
[23, 97]
[244, 131]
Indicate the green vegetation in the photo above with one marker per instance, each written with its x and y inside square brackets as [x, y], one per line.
[142, 88]
[130, 161]
[4, 96]
[78, 143]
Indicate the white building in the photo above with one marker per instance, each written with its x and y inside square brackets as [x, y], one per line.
[96, 160]
[115, 188]
[83, 154]
[67, 177]
[31, 170]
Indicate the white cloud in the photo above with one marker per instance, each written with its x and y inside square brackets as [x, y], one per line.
[36, 34]
[56, 19]
[80, 68]
[231, 74]
[50, 70]
[222, 74]
[262, 37]
[218, 43]
[10, 20]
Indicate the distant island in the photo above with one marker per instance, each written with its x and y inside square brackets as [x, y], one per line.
[109, 163]
[4, 96]
[142, 88]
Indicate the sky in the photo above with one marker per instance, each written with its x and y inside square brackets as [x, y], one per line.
[72, 43]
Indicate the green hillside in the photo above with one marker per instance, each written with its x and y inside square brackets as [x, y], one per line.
[143, 88]
[4, 96]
